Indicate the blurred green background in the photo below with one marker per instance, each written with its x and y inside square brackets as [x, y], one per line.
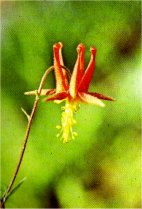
[101, 167]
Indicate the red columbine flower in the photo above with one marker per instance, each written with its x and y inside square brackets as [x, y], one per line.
[73, 90]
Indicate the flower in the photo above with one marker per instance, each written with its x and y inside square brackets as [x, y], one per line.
[73, 90]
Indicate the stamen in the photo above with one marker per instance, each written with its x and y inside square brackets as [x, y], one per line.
[57, 135]
[58, 127]
[74, 121]
[67, 122]
[63, 108]
[75, 133]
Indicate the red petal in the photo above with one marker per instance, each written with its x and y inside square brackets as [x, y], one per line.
[45, 92]
[87, 98]
[77, 71]
[101, 96]
[84, 84]
[60, 73]
[57, 96]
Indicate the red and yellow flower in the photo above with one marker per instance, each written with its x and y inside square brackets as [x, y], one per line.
[72, 90]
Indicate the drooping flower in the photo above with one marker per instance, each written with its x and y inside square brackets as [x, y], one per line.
[73, 90]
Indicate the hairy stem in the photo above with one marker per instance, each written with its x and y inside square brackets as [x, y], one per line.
[35, 105]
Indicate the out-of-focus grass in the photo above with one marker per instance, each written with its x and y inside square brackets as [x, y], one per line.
[101, 167]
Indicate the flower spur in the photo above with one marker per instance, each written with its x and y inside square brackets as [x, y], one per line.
[73, 90]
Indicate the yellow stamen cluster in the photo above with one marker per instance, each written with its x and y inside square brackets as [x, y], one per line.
[67, 122]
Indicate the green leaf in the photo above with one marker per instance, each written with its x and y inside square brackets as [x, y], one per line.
[16, 188]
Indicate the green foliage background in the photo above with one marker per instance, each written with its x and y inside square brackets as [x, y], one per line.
[101, 167]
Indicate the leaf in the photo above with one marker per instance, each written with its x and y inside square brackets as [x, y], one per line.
[16, 188]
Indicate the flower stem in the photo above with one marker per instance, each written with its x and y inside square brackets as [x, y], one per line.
[35, 105]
